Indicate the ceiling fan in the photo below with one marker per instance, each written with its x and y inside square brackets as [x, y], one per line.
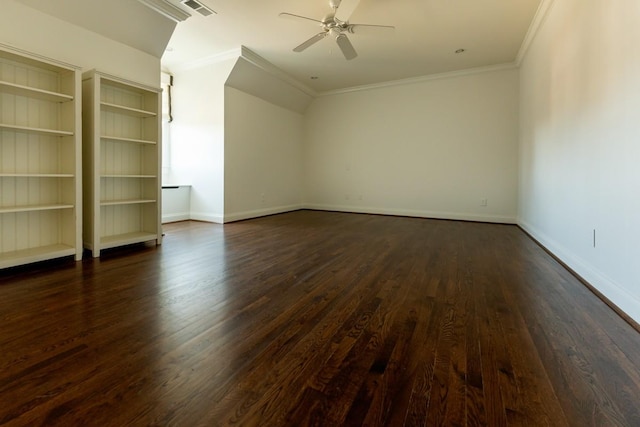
[336, 24]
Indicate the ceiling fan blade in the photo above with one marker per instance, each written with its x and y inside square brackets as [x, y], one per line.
[346, 47]
[366, 29]
[313, 40]
[298, 18]
[344, 8]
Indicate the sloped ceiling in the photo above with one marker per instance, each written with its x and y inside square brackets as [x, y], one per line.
[126, 21]
[252, 79]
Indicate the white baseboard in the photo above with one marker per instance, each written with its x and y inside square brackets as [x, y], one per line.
[203, 216]
[182, 216]
[414, 213]
[239, 216]
[625, 301]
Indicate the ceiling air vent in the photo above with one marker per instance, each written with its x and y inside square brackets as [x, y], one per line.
[198, 7]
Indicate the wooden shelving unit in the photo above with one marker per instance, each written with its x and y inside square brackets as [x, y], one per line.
[40, 159]
[122, 162]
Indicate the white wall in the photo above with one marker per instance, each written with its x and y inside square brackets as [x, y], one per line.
[432, 149]
[28, 29]
[197, 137]
[580, 143]
[263, 156]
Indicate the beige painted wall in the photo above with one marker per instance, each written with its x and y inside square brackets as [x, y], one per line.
[580, 143]
[436, 148]
[263, 153]
[28, 29]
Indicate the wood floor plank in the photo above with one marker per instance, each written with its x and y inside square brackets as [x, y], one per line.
[315, 318]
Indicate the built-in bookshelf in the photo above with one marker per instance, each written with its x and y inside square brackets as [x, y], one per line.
[40, 159]
[121, 162]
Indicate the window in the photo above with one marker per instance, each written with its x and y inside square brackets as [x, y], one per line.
[167, 118]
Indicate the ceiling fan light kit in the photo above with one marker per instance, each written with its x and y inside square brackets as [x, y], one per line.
[337, 25]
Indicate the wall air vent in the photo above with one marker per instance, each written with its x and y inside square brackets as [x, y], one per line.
[198, 7]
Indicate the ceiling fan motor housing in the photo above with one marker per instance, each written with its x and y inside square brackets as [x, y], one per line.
[336, 26]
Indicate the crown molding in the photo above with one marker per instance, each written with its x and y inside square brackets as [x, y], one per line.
[267, 66]
[541, 15]
[422, 79]
[208, 60]
[168, 9]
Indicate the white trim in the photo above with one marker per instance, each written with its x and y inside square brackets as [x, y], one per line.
[458, 216]
[182, 216]
[238, 216]
[421, 79]
[208, 60]
[263, 64]
[167, 9]
[536, 24]
[627, 302]
[203, 216]
[276, 72]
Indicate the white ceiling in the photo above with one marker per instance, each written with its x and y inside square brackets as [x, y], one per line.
[428, 32]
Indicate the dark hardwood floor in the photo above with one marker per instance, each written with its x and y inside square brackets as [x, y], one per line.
[315, 318]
